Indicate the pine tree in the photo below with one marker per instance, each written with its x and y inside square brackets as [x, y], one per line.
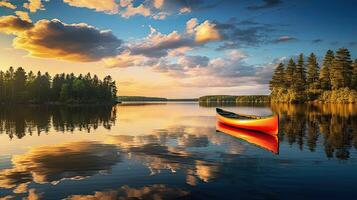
[20, 84]
[289, 73]
[300, 75]
[354, 75]
[277, 80]
[342, 69]
[326, 71]
[312, 72]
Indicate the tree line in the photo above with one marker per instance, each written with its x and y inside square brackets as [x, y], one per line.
[17, 86]
[300, 81]
[234, 99]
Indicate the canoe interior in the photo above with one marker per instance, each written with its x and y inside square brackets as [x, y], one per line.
[238, 116]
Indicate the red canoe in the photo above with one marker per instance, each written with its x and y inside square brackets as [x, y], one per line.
[268, 125]
[265, 141]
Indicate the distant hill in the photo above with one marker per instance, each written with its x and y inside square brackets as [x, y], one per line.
[143, 98]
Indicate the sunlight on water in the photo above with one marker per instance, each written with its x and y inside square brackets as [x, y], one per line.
[172, 150]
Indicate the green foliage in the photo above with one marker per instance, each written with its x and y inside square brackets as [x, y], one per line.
[235, 99]
[342, 95]
[19, 87]
[312, 78]
[354, 76]
[325, 75]
[341, 69]
[336, 83]
[278, 77]
[299, 81]
[289, 73]
[280, 95]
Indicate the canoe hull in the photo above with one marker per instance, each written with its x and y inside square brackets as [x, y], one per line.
[268, 125]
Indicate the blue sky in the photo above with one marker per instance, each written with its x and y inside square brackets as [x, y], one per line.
[240, 43]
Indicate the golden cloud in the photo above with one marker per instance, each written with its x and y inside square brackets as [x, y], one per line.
[13, 25]
[55, 39]
[139, 10]
[23, 15]
[34, 5]
[107, 6]
[206, 32]
[7, 4]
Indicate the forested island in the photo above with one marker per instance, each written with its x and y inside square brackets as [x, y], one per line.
[300, 81]
[234, 99]
[18, 86]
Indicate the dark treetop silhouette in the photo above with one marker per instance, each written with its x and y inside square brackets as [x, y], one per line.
[21, 87]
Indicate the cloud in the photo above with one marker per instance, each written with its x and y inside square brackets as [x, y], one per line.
[243, 33]
[283, 39]
[265, 4]
[194, 61]
[14, 25]
[352, 43]
[168, 54]
[23, 15]
[157, 9]
[158, 3]
[125, 60]
[107, 6]
[228, 71]
[139, 10]
[191, 25]
[206, 32]
[7, 4]
[317, 41]
[55, 39]
[34, 5]
[157, 45]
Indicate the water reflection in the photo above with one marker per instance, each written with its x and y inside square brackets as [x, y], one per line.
[174, 152]
[53, 164]
[17, 121]
[304, 125]
[262, 140]
[151, 192]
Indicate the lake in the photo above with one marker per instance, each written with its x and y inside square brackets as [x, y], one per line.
[173, 151]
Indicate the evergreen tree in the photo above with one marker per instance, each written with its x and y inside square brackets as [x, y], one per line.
[312, 72]
[289, 73]
[326, 71]
[17, 87]
[2, 86]
[354, 75]
[341, 69]
[300, 75]
[277, 80]
[20, 84]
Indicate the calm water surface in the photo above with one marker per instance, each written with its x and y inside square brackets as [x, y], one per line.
[173, 151]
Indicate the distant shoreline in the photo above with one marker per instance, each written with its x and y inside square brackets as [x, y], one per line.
[152, 99]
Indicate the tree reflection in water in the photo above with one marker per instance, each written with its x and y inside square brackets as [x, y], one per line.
[335, 125]
[17, 121]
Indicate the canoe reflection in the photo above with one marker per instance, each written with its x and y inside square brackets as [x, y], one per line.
[262, 140]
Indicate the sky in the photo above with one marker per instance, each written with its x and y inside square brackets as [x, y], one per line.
[173, 48]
